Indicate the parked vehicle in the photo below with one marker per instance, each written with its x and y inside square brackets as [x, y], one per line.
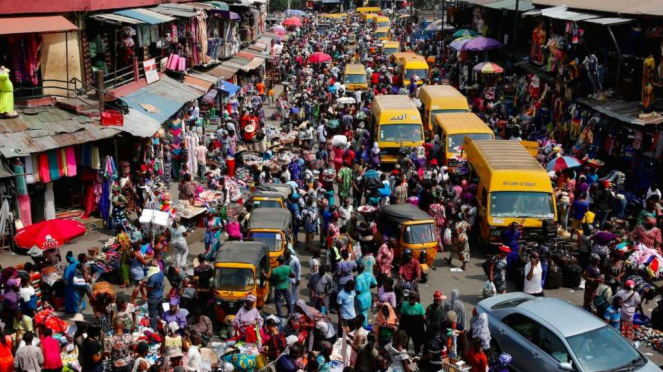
[546, 334]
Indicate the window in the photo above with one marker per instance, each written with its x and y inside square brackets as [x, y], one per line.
[604, 349]
[231, 279]
[355, 79]
[271, 240]
[401, 133]
[521, 204]
[538, 335]
[456, 140]
[421, 73]
[419, 234]
[266, 204]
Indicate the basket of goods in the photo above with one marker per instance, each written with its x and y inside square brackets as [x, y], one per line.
[329, 174]
[366, 210]
[595, 163]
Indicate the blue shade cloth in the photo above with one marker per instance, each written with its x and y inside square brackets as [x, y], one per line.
[21, 186]
[145, 15]
[228, 88]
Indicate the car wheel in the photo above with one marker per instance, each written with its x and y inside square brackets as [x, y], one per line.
[493, 353]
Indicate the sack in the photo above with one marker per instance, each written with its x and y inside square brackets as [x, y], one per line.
[446, 237]
[189, 293]
[486, 266]
[600, 302]
[572, 276]
[489, 289]
[553, 277]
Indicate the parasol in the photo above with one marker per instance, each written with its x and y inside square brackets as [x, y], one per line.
[562, 162]
[319, 57]
[292, 21]
[49, 234]
[481, 43]
[488, 68]
[464, 32]
[279, 30]
[437, 26]
[295, 12]
[458, 44]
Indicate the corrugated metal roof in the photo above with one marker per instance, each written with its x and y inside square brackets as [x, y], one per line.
[197, 83]
[139, 124]
[257, 62]
[116, 19]
[161, 9]
[28, 25]
[49, 129]
[562, 12]
[167, 95]
[635, 7]
[609, 21]
[222, 72]
[146, 16]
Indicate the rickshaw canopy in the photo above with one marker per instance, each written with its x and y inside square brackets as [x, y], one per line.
[269, 218]
[401, 213]
[241, 252]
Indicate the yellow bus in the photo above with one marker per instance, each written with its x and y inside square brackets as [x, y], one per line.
[396, 123]
[382, 33]
[369, 17]
[383, 21]
[355, 77]
[391, 47]
[414, 65]
[335, 16]
[368, 10]
[436, 99]
[513, 187]
[453, 128]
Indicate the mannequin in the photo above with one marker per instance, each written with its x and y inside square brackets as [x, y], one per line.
[648, 73]
[591, 65]
[648, 99]
[6, 94]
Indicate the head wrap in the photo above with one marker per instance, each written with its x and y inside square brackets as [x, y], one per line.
[480, 330]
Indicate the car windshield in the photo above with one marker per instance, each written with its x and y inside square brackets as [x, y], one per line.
[521, 204]
[266, 204]
[355, 79]
[456, 140]
[271, 240]
[401, 133]
[421, 73]
[603, 349]
[231, 279]
[390, 50]
[419, 234]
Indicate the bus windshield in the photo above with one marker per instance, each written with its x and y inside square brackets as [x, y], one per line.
[271, 240]
[355, 79]
[401, 133]
[521, 204]
[233, 279]
[456, 140]
[421, 73]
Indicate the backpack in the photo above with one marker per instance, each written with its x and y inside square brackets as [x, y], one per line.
[600, 302]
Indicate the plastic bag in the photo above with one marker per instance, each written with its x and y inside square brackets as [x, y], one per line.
[446, 238]
[489, 289]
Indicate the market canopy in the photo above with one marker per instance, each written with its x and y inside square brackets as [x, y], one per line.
[228, 88]
[31, 25]
[116, 19]
[145, 15]
[220, 5]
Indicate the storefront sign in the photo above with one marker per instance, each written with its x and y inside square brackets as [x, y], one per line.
[151, 73]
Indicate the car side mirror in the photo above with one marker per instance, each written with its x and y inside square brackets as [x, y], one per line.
[566, 367]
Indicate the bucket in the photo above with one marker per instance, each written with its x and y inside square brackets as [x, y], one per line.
[230, 163]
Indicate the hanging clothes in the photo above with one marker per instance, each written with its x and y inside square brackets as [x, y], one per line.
[62, 162]
[44, 172]
[95, 161]
[86, 155]
[29, 170]
[53, 165]
[5, 215]
[21, 186]
[24, 210]
[49, 202]
[35, 168]
[70, 155]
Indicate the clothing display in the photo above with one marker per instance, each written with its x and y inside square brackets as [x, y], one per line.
[49, 202]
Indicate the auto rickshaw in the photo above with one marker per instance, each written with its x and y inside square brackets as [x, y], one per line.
[412, 228]
[237, 269]
[270, 195]
[272, 227]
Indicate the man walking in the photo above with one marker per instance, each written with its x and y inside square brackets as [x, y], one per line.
[281, 280]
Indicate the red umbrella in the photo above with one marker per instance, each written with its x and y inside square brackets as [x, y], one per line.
[292, 21]
[49, 234]
[319, 57]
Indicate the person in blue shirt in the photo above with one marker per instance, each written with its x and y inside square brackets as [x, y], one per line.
[346, 306]
[154, 287]
[613, 313]
[510, 238]
[579, 208]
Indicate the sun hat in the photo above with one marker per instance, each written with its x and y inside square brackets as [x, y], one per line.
[439, 296]
[78, 318]
[506, 249]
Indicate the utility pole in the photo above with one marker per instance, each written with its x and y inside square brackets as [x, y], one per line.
[515, 32]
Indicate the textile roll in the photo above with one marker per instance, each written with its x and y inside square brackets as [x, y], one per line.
[181, 64]
[49, 202]
[173, 61]
[29, 170]
[86, 154]
[53, 165]
[24, 210]
[35, 167]
[70, 154]
[21, 186]
[62, 162]
[44, 172]
[95, 162]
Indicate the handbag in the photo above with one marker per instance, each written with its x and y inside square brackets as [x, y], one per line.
[188, 293]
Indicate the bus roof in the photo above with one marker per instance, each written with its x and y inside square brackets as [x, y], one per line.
[391, 44]
[382, 29]
[446, 91]
[335, 15]
[415, 62]
[394, 107]
[382, 18]
[462, 122]
[355, 69]
[368, 9]
[506, 166]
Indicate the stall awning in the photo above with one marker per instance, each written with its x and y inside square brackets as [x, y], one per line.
[533, 12]
[139, 124]
[170, 10]
[220, 5]
[523, 6]
[625, 111]
[635, 7]
[116, 19]
[227, 88]
[609, 21]
[199, 80]
[162, 99]
[562, 13]
[223, 72]
[29, 25]
[145, 15]
[254, 64]
[209, 97]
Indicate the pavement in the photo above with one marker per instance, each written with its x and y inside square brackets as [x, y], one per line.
[469, 283]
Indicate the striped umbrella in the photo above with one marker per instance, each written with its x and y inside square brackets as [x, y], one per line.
[561, 163]
[488, 68]
[457, 44]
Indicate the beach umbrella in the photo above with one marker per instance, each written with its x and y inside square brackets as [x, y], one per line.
[481, 43]
[464, 32]
[295, 12]
[488, 68]
[458, 44]
[279, 30]
[292, 21]
[437, 26]
[562, 162]
[49, 234]
[319, 57]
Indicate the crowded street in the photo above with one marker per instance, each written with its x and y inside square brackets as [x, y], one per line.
[345, 186]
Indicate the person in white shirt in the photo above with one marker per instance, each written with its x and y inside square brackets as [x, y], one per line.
[533, 274]
[193, 357]
[322, 134]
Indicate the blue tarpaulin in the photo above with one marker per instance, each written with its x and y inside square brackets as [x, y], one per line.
[226, 87]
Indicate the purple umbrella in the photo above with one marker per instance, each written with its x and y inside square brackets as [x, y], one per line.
[481, 43]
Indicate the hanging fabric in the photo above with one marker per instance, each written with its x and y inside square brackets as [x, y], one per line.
[95, 163]
[5, 215]
[70, 155]
[35, 167]
[29, 170]
[53, 165]
[21, 186]
[86, 155]
[44, 172]
[49, 202]
[24, 210]
[62, 162]
[104, 201]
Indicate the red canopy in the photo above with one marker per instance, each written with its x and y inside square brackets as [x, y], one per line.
[319, 57]
[49, 234]
[292, 21]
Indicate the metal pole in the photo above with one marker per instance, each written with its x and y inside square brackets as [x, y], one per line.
[515, 31]
[66, 50]
[619, 53]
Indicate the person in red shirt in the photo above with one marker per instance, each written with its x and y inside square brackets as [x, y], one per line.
[375, 78]
[348, 155]
[476, 358]
[244, 120]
